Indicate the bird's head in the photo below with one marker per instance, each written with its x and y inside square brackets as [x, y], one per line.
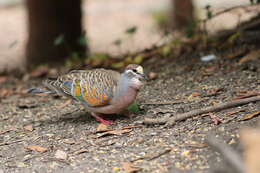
[135, 74]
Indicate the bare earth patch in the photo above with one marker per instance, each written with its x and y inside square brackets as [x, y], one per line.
[38, 136]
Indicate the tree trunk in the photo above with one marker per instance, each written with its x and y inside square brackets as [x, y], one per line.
[47, 21]
[182, 14]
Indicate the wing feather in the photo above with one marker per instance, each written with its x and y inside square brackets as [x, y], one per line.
[92, 87]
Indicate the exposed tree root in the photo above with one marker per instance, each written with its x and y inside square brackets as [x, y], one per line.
[215, 108]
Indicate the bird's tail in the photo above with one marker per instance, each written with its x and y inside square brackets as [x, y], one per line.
[50, 85]
[39, 91]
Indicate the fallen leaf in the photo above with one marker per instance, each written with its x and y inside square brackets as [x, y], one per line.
[103, 128]
[115, 132]
[42, 94]
[235, 112]
[250, 116]
[36, 148]
[118, 65]
[216, 120]
[28, 127]
[209, 70]
[131, 127]
[68, 102]
[4, 92]
[69, 141]
[246, 94]
[80, 151]
[195, 94]
[214, 91]
[130, 168]
[40, 71]
[61, 155]
[4, 131]
[138, 59]
[255, 54]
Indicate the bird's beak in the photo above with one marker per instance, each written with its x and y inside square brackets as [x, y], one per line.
[144, 77]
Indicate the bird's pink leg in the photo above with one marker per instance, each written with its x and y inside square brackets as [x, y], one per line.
[100, 118]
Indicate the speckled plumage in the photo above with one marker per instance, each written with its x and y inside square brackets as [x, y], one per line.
[101, 91]
[91, 87]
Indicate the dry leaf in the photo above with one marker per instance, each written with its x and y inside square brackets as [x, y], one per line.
[4, 131]
[69, 141]
[215, 118]
[4, 92]
[81, 151]
[68, 102]
[235, 112]
[250, 56]
[103, 128]
[131, 127]
[42, 94]
[214, 91]
[130, 168]
[195, 94]
[249, 116]
[36, 148]
[209, 70]
[115, 132]
[40, 71]
[28, 127]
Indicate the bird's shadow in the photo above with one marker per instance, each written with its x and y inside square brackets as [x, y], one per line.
[79, 117]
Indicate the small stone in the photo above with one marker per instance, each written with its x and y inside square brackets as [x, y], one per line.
[232, 141]
[152, 75]
[221, 129]
[21, 165]
[61, 155]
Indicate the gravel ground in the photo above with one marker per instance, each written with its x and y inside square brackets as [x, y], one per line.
[69, 138]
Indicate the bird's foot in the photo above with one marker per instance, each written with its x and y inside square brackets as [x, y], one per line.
[100, 118]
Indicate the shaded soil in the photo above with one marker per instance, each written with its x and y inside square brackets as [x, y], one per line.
[75, 134]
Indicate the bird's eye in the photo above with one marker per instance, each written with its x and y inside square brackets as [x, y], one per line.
[134, 70]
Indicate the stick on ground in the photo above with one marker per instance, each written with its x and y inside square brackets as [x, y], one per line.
[215, 108]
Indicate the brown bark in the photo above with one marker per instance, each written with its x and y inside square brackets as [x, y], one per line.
[47, 20]
[182, 14]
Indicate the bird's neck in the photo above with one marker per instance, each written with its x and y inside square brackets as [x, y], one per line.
[127, 89]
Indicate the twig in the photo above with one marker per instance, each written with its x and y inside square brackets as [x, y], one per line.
[164, 103]
[227, 152]
[215, 108]
[9, 143]
[154, 156]
[230, 9]
[233, 8]
[159, 154]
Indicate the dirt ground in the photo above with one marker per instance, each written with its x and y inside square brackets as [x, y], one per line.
[45, 134]
[70, 142]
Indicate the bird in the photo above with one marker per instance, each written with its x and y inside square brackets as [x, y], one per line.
[100, 91]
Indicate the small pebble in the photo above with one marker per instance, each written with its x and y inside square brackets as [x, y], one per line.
[61, 155]
[152, 75]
